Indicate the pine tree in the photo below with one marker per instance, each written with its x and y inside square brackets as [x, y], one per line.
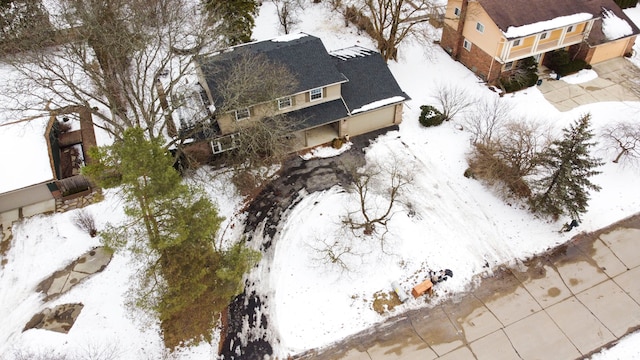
[175, 225]
[565, 188]
[236, 18]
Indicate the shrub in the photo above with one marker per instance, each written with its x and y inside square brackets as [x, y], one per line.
[560, 62]
[430, 116]
[523, 76]
[336, 143]
[84, 220]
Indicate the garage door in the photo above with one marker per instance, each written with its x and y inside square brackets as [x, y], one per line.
[609, 51]
[372, 120]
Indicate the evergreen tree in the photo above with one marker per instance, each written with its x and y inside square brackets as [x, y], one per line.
[174, 224]
[236, 18]
[565, 188]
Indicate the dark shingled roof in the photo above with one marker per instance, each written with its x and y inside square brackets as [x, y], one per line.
[369, 77]
[506, 13]
[321, 114]
[305, 56]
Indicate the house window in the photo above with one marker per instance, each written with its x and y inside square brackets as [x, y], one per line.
[508, 66]
[479, 27]
[544, 35]
[456, 12]
[315, 94]
[570, 28]
[242, 114]
[466, 44]
[284, 103]
[217, 147]
[516, 42]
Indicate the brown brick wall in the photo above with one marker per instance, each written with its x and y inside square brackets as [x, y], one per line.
[480, 63]
[449, 38]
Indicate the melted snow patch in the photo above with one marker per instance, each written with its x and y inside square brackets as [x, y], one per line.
[614, 27]
[377, 104]
[524, 30]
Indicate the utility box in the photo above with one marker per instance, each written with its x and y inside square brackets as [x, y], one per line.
[402, 295]
[422, 288]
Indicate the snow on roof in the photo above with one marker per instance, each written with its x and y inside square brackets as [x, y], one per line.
[289, 37]
[25, 158]
[351, 52]
[524, 30]
[614, 27]
[377, 104]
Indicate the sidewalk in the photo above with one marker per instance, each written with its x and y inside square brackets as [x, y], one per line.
[566, 304]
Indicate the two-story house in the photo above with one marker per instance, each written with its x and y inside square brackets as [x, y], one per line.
[490, 36]
[339, 94]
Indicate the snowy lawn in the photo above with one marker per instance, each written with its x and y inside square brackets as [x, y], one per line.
[442, 220]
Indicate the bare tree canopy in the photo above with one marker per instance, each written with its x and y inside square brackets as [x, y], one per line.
[394, 20]
[624, 138]
[114, 55]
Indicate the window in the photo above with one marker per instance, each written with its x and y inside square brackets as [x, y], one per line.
[570, 28]
[544, 35]
[479, 27]
[315, 94]
[456, 12]
[516, 42]
[284, 103]
[242, 114]
[466, 44]
[217, 147]
[508, 66]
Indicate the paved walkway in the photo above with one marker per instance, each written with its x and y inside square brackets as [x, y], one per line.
[618, 80]
[566, 304]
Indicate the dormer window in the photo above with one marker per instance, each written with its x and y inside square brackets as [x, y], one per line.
[315, 94]
[242, 114]
[284, 103]
[479, 27]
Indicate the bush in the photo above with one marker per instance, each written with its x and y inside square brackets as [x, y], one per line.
[84, 220]
[560, 62]
[430, 116]
[336, 143]
[516, 83]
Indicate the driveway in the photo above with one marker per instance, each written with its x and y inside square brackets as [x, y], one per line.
[618, 80]
[565, 304]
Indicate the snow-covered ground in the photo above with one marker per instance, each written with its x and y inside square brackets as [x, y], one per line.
[443, 220]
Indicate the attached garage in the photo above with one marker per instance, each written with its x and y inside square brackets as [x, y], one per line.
[610, 50]
[371, 120]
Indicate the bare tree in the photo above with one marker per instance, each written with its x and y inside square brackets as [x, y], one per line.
[624, 138]
[115, 56]
[395, 20]
[486, 119]
[452, 100]
[84, 220]
[391, 177]
[287, 13]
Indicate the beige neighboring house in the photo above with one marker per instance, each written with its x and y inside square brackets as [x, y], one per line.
[42, 157]
[491, 36]
[338, 94]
